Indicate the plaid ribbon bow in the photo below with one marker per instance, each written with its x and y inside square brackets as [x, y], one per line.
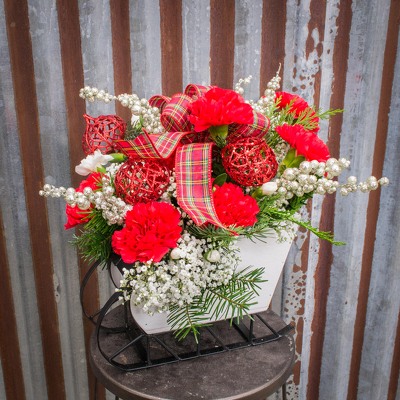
[193, 161]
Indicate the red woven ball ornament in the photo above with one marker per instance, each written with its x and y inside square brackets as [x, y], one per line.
[140, 181]
[249, 161]
[101, 132]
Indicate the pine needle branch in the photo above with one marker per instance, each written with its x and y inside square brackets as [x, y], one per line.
[288, 216]
[94, 240]
[186, 319]
[213, 232]
[321, 234]
[329, 113]
[232, 300]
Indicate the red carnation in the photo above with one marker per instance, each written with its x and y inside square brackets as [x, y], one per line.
[75, 215]
[289, 133]
[151, 230]
[306, 143]
[219, 107]
[233, 207]
[297, 106]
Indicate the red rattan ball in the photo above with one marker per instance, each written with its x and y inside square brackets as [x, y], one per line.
[249, 161]
[101, 132]
[140, 181]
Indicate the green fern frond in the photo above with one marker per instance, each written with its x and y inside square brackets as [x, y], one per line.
[328, 236]
[248, 279]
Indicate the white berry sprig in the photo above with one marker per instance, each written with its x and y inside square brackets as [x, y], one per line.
[140, 108]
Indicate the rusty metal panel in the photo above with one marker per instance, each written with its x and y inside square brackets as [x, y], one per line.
[98, 72]
[12, 201]
[196, 41]
[145, 47]
[2, 388]
[367, 38]
[54, 141]
[248, 28]
[380, 329]
[298, 286]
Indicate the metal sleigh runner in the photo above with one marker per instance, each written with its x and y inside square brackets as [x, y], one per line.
[139, 350]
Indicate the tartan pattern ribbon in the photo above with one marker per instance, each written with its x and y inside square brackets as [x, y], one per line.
[193, 161]
[258, 128]
[193, 172]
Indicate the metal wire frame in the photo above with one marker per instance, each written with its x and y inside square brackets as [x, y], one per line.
[92, 317]
[141, 342]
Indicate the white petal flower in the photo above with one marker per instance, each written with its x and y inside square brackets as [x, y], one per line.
[269, 188]
[92, 162]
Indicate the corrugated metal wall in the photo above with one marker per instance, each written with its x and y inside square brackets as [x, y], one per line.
[336, 53]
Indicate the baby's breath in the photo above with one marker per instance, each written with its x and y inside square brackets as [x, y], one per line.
[194, 265]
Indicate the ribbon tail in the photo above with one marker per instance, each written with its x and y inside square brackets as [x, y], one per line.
[194, 183]
[140, 147]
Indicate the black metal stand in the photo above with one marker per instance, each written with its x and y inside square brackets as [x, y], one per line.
[140, 350]
[93, 317]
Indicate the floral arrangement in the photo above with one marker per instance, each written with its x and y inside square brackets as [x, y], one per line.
[171, 191]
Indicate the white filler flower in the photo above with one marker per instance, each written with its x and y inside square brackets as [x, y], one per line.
[92, 162]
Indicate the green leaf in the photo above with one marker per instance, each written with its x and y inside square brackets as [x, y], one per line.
[218, 134]
[291, 160]
[290, 156]
[118, 157]
[133, 131]
[220, 179]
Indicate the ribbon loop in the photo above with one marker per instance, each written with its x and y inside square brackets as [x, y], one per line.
[175, 116]
[196, 91]
[258, 128]
[159, 101]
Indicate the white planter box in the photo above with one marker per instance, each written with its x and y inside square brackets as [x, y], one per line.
[269, 254]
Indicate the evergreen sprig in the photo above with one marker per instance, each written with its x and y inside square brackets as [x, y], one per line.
[213, 232]
[94, 240]
[286, 215]
[133, 131]
[232, 300]
[328, 236]
[329, 113]
[308, 118]
[296, 202]
[186, 319]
